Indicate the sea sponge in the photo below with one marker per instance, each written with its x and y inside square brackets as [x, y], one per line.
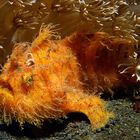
[44, 80]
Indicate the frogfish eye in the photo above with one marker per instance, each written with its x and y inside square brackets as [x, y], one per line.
[27, 79]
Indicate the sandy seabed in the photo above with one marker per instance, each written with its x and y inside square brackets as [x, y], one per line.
[125, 126]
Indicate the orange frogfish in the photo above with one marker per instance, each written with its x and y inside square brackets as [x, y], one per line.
[51, 78]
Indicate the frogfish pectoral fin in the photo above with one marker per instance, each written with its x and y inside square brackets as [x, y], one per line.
[92, 106]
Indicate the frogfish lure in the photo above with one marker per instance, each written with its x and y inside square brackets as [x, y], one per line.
[50, 78]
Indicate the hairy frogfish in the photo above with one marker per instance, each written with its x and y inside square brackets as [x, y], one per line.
[51, 78]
